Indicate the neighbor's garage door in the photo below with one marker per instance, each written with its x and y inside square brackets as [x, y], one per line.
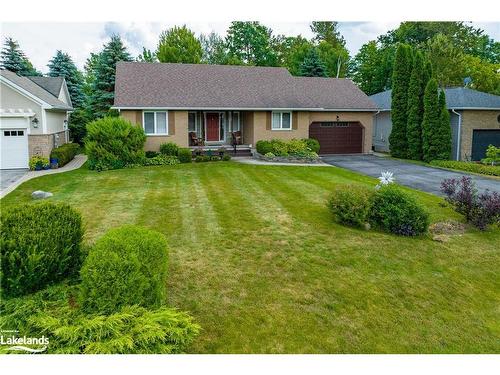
[481, 139]
[338, 137]
[13, 149]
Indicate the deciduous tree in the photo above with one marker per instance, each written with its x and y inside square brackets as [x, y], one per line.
[179, 45]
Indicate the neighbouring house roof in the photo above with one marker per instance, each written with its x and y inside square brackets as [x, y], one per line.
[37, 90]
[456, 98]
[199, 86]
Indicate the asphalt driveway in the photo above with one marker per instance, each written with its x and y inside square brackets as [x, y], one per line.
[412, 175]
[10, 176]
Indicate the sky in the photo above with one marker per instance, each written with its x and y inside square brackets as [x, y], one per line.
[40, 40]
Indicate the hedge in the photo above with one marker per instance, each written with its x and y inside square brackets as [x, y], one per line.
[185, 155]
[127, 266]
[65, 153]
[40, 244]
[351, 204]
[293, 147]
[491, 170]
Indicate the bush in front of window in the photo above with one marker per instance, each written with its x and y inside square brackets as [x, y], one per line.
[169, 148]
[41, 244]
[263, 147]
[279, 147]
[152, 154]
[113, 142]
[185, 155]
[127, 266]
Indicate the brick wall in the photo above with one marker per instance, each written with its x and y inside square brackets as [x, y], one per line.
[42, 144]
[475, 120]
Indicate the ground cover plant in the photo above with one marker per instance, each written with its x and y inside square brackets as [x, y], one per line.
[258, 262]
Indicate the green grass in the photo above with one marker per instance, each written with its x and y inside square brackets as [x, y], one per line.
[257, 260]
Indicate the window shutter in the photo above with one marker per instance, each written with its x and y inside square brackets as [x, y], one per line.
[295, 120]
[171, 122]
[268, 120]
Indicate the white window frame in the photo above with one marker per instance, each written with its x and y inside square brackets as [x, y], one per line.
[281, 128]
[155, 124]
[196, 122]
[233, 122]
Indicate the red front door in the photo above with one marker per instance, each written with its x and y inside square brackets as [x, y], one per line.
[213, 128]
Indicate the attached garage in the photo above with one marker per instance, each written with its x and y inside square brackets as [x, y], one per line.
[337, 137]
[13, 143]
[481, 139]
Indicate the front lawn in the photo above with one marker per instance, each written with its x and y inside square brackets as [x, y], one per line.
[258, 262]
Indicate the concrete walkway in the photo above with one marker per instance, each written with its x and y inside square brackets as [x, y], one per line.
[12, 180]
[420, 177]
[262, 162]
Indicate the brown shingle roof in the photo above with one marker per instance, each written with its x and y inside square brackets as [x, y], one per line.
[197, 86]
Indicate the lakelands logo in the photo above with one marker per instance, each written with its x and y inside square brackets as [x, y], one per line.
[13, 342]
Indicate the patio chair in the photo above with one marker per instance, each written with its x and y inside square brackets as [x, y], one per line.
[236, 138]
[193, 139]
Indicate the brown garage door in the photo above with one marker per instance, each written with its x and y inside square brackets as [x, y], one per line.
[338, 137]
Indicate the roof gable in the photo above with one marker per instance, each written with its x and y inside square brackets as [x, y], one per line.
[198, 86]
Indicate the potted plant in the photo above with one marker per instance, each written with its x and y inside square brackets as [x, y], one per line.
[54, 163]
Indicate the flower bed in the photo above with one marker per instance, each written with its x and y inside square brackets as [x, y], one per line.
[313, 159]
[292, 151]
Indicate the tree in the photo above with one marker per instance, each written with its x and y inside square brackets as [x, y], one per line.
[399, 108]
[431, 120]
[102, 90]
[61, 65]
[292, 51]
[312, 66]
[484, 75]
[215, 50]
[250, 43]
[448, 64]
[327, 31]
[416, 88]
[336, 60]
[179, 45]
[442, 137]
[13, 59]
[147, 56]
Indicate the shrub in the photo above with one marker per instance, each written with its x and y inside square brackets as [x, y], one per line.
[279, 147]
[38, 162]
[169, 148]
[491, 170]
[40, 244]
[312, 144]
[296, 146]
[226, 157]
[161, 160]
[492, 156]
[395, 211]
[65, 153]
[132, 329]
[185, 155]
[480, 210]
[127, 266]
[113, 142]
[263, 147]
[152, 154]
[199, 158]
[215, 158]
[269, 155]
[350, 204]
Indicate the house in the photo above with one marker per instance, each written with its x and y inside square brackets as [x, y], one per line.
[474, 121]
[218, 105]
[33, 117]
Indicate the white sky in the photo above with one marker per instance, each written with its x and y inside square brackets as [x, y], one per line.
[40, 40]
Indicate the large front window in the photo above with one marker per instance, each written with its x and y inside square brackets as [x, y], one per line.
[156, 123]
[282, 121]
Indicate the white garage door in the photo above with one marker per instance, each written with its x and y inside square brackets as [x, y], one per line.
[13, 148]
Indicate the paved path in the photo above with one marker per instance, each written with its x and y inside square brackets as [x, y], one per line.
[409, 174]
[11, 179]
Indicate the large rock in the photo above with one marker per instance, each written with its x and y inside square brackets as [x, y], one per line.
[39, 194]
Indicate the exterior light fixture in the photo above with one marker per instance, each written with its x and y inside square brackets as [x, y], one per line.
[35, 122]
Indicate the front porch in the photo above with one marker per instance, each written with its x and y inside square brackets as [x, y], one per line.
[215, 129]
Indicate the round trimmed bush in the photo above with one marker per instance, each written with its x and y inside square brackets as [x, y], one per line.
[113, 142]
[263, 147]
[169, 148]
[127, 266]
[350, 204]
[185, 155]
[395, 211]
[40, 244]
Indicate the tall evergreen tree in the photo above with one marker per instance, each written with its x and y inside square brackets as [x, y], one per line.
[102, 91]
[399, 111]
[312, 66]
[61, 65]
[416, 90]
[13, 59]
[443, 132]
[431, 121]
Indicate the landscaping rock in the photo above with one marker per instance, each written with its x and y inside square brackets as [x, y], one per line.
[39, 194]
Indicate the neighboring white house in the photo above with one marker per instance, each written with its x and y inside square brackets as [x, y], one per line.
[33, 117]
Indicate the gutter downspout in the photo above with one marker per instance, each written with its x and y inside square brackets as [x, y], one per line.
[459, 132]
[374, 130]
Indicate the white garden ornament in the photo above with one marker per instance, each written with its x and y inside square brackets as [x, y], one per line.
[386, 178]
